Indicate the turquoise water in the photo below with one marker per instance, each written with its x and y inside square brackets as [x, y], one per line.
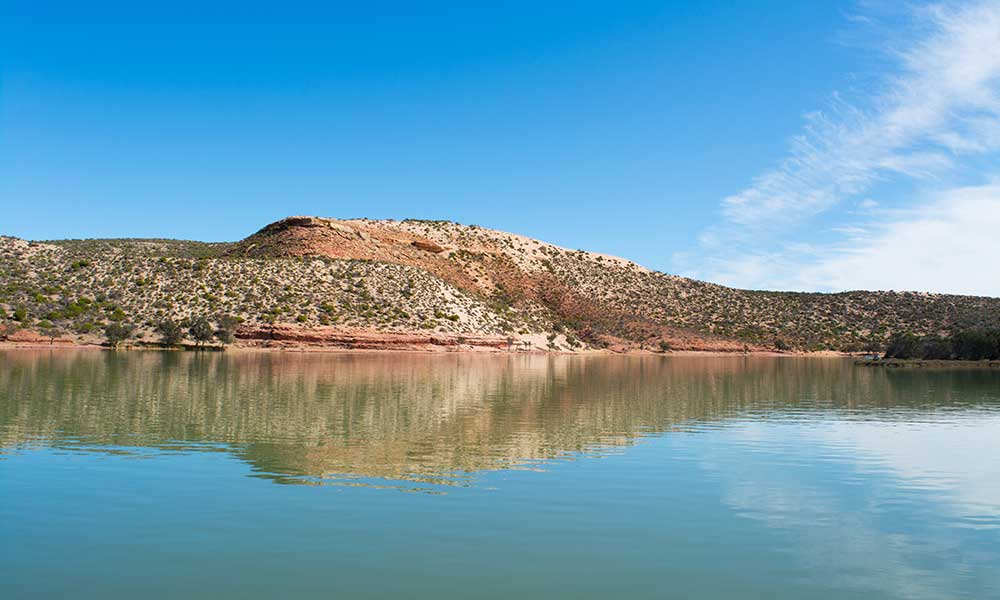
[242, 475]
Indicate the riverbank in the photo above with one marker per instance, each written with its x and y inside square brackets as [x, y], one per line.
[337, 339]
[895, 363]
[285, 338]
[405, 349]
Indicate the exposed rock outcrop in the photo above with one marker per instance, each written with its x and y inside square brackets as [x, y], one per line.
[428, 246]
[29, 337]
[333, 337]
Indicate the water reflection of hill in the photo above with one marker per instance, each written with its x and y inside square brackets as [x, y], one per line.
[397, 416]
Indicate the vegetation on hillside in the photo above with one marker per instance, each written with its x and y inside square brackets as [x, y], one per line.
[83, 288]
[594, 294]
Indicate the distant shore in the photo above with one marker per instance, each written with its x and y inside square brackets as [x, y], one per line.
[915, 363]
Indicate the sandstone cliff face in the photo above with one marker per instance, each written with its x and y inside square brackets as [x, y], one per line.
[427, 246]
[334, 337]
[32, 338]
[359, 240]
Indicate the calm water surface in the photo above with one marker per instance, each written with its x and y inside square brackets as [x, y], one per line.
[161, 475]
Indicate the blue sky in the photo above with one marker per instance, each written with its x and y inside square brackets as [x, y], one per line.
[712, 139]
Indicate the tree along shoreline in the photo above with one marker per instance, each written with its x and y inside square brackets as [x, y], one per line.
[966, 346]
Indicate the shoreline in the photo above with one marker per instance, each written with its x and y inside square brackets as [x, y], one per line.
[431, 349]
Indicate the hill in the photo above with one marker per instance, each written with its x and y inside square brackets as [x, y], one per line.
[367, 283]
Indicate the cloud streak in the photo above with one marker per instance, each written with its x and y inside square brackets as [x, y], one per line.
[946, 245]
[936, 114]
[943, 104]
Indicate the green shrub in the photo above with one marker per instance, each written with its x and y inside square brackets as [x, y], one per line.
[904, 346]
[117, 332]
[171, 332]
[226, 331]
[201, 331]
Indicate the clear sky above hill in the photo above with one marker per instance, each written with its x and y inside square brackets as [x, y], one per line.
[795, 145]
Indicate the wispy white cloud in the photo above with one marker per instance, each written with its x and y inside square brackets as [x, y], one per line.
[948, 245]
[943, 103]
[938, 111]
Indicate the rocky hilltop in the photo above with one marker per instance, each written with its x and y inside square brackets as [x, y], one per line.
[433, 284]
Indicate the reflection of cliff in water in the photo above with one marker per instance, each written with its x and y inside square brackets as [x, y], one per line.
[399, 416]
